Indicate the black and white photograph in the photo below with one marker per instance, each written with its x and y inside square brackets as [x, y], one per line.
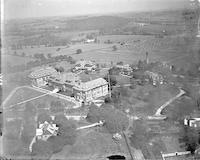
[100, 80]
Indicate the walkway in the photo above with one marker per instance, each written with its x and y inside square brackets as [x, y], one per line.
[159, 110]
[58, 95]
[158, 115]
[100, 123]
[46, 92]
[11, 94]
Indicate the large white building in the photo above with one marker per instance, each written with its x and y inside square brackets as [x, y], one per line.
[91, 90]
[63, 81]
[39, 77]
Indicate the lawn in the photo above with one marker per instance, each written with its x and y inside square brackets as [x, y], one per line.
[180, 108]
[145, 100]
[92, 144]
[23, 94]
[63, 49]
[14, 60]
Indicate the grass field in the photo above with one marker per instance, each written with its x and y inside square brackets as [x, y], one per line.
[169, 49]
[14, 60]
[21, 95]
[92, 144]
[27, 93]
[16, 120]
[145, 100]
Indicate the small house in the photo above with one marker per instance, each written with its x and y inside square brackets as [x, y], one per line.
[192, 122]
[155, 77]
[125, 69]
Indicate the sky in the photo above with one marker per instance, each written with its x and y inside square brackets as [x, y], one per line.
[41, 8]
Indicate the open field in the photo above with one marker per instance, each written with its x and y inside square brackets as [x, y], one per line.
[180, 108]
[14, 60]
[145, 100]
[21, 95]
[170, 49]
[63, 49]
[24, 94]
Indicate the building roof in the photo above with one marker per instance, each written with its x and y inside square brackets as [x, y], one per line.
[84, 62]
[91, 84]
[65, 78]
[42, 72]
[46, 128]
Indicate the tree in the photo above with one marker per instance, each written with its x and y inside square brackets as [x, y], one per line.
[190, 138]
[57, 143]
[141, 65]
[60, 69]
[115, 120]
[120, 63]
[133, 83]
[78, 51]
[114, 71]
[49, 55]
[114, 48]
[42, 150]
[113, 80]
[67, 129]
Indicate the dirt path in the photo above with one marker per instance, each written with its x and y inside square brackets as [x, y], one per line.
[11, 94]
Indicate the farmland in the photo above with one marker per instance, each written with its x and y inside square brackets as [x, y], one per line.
[159, 49]
[15, 60]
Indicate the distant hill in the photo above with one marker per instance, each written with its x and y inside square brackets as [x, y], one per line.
[100, 22]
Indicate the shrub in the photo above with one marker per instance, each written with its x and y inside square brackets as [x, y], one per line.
[78, 51]
[67, 129]
[42, 150]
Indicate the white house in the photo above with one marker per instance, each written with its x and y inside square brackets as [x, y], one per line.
[91, 90]
[155, 77]
[85, 65]
[192, 122]
[46, 130]
[125, 69]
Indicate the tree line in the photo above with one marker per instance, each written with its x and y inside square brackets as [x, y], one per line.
[40, 59]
